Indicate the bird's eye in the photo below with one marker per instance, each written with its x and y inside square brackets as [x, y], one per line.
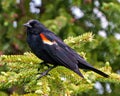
[31, 24]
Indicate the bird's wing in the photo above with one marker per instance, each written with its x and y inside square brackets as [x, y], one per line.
[59, 54]
[51, 36]
[75, 57]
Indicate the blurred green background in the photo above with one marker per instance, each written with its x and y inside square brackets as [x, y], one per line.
[65, 18]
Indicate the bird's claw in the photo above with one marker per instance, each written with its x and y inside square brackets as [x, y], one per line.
[43, 74]
[46, 72]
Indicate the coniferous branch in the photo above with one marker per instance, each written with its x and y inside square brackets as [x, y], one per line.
[22, 71]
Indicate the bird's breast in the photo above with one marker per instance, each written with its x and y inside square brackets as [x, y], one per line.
[34, 42]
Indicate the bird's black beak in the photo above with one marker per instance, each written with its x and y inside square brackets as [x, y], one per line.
[27, 25]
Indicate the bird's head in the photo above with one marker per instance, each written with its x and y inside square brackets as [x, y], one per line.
[34, 27]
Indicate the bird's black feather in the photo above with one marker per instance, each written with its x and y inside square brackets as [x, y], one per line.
[52, 49]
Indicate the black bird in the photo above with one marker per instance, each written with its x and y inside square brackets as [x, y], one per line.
[51, 49]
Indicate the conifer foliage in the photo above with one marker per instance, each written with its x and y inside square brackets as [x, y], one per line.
[91, 27]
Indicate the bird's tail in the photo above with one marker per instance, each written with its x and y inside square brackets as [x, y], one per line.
[99, 72]
[85, 65]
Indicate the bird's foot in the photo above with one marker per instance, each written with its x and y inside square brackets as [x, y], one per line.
[46, 72]
[43, 74]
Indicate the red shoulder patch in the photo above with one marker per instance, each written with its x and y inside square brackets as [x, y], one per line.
[46, 40]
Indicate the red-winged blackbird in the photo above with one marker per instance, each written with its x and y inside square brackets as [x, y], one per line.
[51, 49]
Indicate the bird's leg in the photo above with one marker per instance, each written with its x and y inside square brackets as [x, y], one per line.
[46, 72]
[43, 63]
